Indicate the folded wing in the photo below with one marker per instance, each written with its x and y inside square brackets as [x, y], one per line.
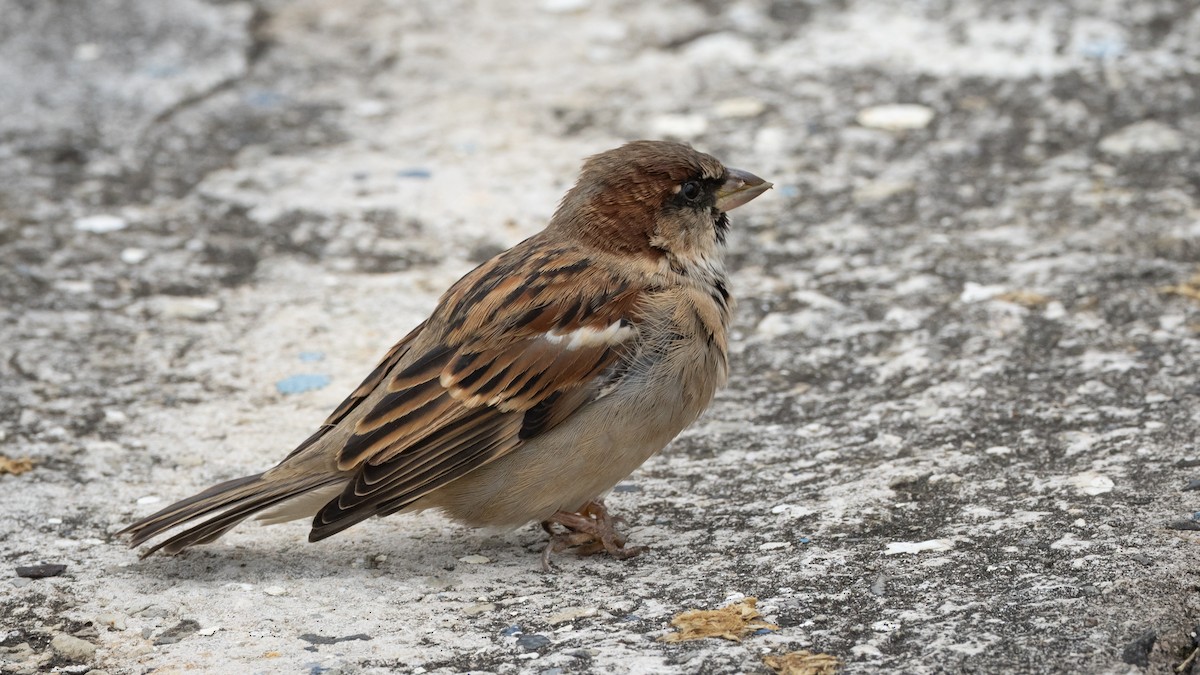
[521, 348]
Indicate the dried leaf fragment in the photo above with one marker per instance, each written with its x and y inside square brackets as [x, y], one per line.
[732, 622]
[1188, 289]
[802, 663]
[15, 466]
[1024, 298]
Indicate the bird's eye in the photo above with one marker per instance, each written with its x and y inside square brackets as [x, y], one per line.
[690, 190]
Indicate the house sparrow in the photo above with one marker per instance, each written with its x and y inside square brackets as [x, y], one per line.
[544, 376]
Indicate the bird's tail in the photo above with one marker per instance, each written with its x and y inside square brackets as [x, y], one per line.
[232, 501]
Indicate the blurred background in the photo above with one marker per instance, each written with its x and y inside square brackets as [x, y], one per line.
[961, 428]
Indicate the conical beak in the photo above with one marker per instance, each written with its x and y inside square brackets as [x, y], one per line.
[739, 188]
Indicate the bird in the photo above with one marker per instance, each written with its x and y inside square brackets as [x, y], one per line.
[543, 377]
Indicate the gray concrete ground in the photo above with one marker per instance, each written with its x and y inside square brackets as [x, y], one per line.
[961, 430]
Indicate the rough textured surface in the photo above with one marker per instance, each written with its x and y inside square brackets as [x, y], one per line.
[963, 410]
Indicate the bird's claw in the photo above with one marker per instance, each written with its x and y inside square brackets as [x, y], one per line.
[591, 530]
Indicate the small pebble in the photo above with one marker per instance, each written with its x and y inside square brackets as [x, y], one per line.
[775, 545]
[564, 6]
[899, 547]
[101, 224]
[1137, 652]
[511, 630]
[1143, 138]
[110, 620]
[177, 632]
[895, 117]
[313, 638]
[41, 571]
[1091, 483]
[72, 648]
[88, 51]
[154, 612]
[482, 608]
[275, 590]
[532, 642]
[571, 614]
[1184, 525]
[475, 560]
[185, 308]
[734, 108]
[370, 108]
[133, 256]
[678, 126]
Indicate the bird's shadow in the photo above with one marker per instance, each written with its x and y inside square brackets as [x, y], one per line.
[393, 553]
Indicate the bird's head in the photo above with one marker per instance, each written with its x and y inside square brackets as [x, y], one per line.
[655, 198]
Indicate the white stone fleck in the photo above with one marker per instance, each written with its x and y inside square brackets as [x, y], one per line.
[101, 224]
[1149, 137]
[564, 6]
[973, 292]
[1091, 483]
[735, 108]
[570, 614]
[678, 126]
[133, 256]
[895, 117]
[898, 547]
[184, 307]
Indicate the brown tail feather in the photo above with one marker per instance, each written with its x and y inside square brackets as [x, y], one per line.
[233, 501]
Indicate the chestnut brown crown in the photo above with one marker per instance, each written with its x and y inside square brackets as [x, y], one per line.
[654, 198]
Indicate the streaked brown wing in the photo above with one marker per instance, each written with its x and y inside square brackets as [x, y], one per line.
[490, 386]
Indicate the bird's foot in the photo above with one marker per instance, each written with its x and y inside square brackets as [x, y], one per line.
[591, 530]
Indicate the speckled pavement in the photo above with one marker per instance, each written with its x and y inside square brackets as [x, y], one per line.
[961, 431]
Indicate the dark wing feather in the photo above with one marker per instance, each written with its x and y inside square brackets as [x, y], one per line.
[523, 345]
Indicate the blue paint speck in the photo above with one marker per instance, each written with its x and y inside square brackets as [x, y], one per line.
[789, 190]
[311, 357]
[1103, 49]
[511, 630]
[418, 173]
[264, 98]
[805, 540]
[763, 631]
[298, 384]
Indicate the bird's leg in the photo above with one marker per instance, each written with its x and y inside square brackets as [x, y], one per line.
[592, 530]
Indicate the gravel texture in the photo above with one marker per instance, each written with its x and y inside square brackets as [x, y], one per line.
[962, 424]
